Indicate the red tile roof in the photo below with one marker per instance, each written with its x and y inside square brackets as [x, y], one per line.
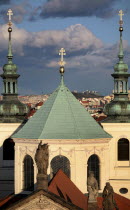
[100, 118]
[5, 199]
[122, 202]
[31, 113]
[40, 103]
[62, 186]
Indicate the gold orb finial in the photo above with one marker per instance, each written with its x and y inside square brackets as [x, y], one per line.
[62, 62]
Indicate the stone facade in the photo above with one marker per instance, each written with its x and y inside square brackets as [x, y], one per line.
[42, 200]
[6, 166]
[119, 171]
[78, 153]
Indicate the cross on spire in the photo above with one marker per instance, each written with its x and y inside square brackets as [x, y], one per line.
[62, 53]
[9, 13]
[121, 14]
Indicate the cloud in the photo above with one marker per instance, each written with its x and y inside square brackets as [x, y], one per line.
[74, 8]
[19, 38]
[20, 11]
[74, 38]
[2, 2]
[87, 58]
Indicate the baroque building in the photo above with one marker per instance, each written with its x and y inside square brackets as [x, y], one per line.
[12, 116]
[77, 143]
[117, 124]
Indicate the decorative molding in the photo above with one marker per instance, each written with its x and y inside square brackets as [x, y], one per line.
[41, 202]
[63, 141]
[96, 150]
[61, 151]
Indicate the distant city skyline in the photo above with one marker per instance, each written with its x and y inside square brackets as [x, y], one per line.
[88, 30]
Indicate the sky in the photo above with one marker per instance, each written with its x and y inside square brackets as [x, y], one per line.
[87, 29]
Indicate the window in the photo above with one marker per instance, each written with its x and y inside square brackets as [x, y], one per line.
[123, 149]
[8, 149]
[13, 87]
[121, 87]
[8, 87]
[93, 165]
[123, 190]
[5, 86]
[28, 174]
[60, 162]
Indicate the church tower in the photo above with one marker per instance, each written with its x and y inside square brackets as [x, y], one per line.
[77, 143]
[12, 115]
[117, 124]
[119, 109]
[11, 109]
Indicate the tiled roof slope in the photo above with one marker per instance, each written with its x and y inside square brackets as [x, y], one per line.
[122, 202]
[61, 117]
[62, 186]
[18, 201]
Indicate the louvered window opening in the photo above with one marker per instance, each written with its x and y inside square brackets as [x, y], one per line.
[8, 149]
[28, 174]
[60, 162]
[123, 149]
[93, 165]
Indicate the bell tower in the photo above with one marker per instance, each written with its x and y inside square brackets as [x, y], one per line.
[11, 109]
[119, 109]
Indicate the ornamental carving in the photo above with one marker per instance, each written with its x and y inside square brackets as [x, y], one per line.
[41, 202]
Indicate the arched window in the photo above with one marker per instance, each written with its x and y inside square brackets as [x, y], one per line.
[5, 87]
[8, 149]
[123, 149]
[8, 87]
[13, 87]
[121, 87]
[116, 86]
[28, 173]
[93, 165]
[60, 162]
[126, 87]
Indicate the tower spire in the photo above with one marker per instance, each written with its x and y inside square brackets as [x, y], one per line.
[11, 109]
[10, 55]
[118, 110]
[121, 53]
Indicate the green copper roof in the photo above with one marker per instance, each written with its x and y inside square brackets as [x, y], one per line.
[61, 117]
[121, 67]
[118, 110]
[11, 109]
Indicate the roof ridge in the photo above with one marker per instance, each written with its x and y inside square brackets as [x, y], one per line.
[72, 111]
[51, 108]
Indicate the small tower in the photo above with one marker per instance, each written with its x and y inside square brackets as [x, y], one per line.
[119, 109]
[11, 109]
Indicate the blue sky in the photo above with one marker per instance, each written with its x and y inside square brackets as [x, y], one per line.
[87, 29]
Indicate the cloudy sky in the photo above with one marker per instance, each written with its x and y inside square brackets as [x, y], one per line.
[87, 29]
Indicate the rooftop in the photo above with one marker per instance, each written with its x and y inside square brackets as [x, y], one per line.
[61, 117]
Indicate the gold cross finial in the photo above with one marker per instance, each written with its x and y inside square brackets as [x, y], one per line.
[121, 14]
[62, 53]
[9, 13]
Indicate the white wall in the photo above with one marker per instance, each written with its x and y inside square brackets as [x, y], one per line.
[6, 166]
[77, 151]
[119, 170]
